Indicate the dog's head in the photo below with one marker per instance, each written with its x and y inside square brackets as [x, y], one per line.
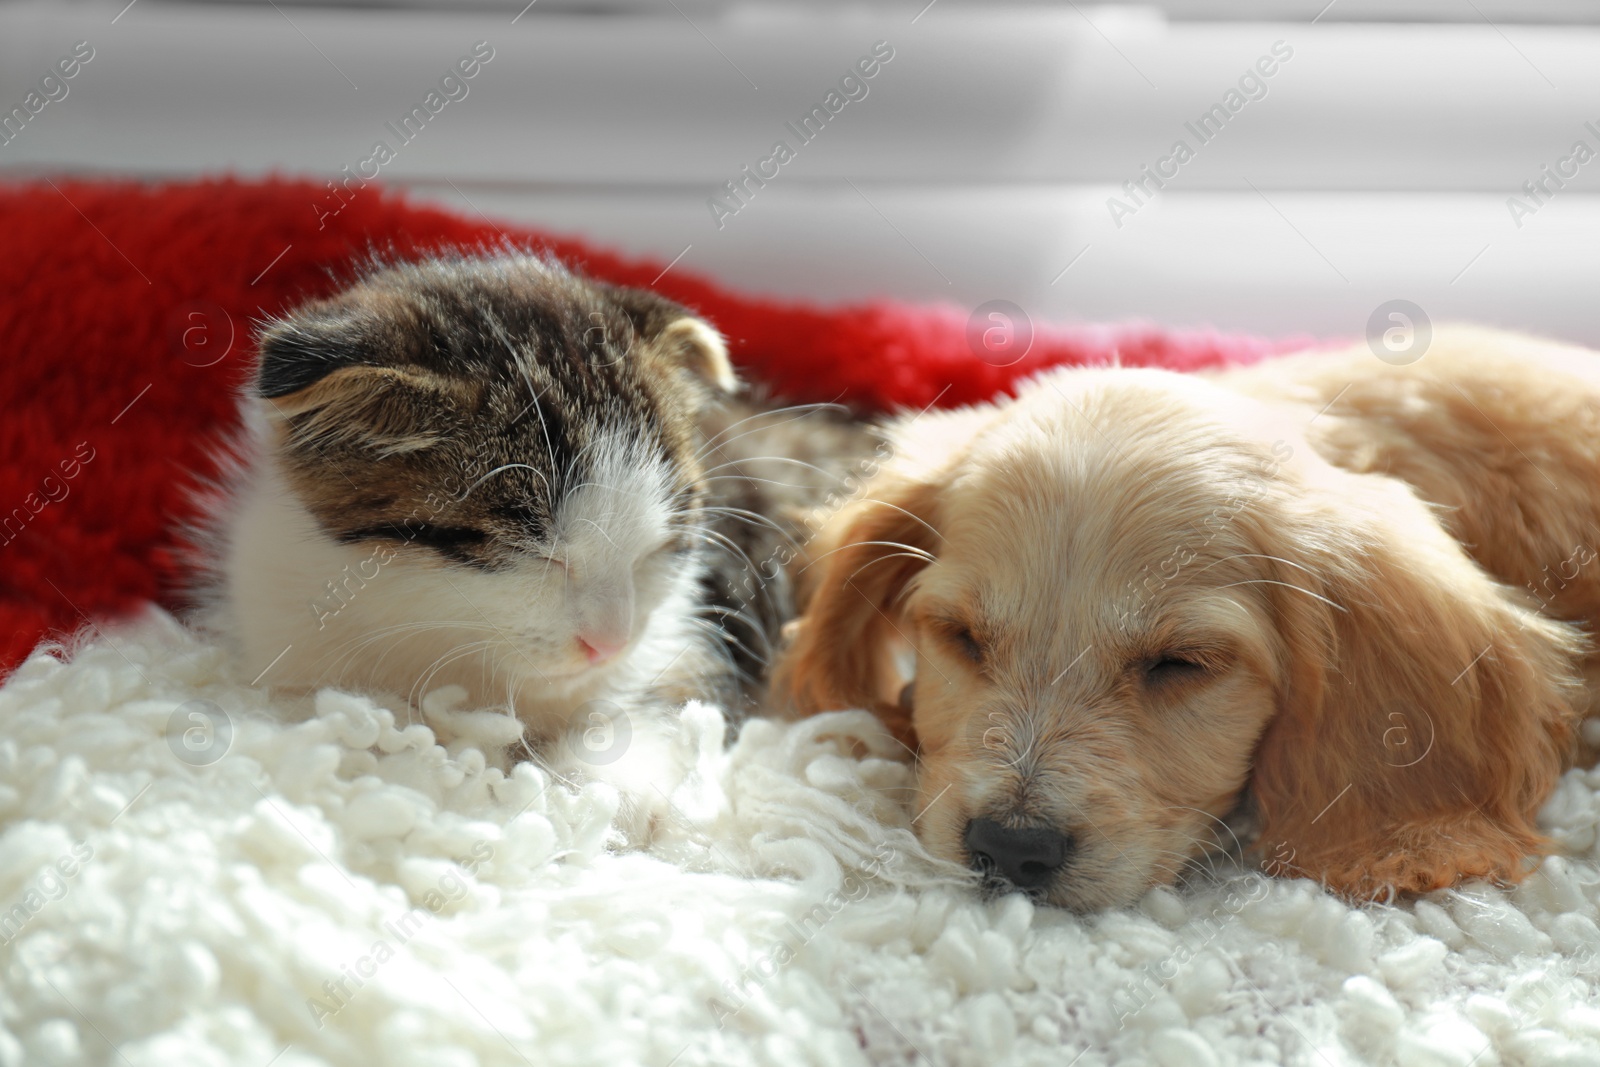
[1135, 599]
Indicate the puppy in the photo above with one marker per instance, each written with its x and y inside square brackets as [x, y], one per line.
[1342, 602]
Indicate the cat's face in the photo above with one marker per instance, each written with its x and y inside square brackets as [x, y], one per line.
[511, 454]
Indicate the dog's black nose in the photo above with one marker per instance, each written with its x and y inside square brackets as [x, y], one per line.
[1025, 857]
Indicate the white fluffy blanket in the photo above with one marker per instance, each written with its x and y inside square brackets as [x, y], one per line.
[245, 882]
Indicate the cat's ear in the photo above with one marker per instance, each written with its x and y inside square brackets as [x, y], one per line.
[321, 371]
[673, 335]
[692, 344]
[298, 353]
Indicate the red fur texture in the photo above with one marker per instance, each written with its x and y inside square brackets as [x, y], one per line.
[117, 300]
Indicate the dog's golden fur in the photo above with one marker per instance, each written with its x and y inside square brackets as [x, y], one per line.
[1344, 602]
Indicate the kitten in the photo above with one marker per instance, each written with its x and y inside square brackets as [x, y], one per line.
[504, 476]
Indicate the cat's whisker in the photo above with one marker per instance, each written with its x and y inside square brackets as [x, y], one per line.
[763, 655]
[905, 550]
[743, 515]
[803, 409]
[464, 624]
[880, 559]
[721, 635]
[718, 538]
[753, 480]
[525, 362]
[424, 683]
[399, 630]
[774, 459]
[395, 649]
[506, 467]
[601, 530]
[896, 507]
[754, 517]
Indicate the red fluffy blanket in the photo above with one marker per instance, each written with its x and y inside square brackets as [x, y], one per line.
[127, 315]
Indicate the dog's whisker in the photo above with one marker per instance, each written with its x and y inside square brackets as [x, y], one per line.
[1184, 807]
[1288, 585]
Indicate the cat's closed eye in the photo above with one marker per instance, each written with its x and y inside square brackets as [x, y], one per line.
[425, 534]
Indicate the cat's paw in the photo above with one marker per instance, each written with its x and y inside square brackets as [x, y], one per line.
[636, 753]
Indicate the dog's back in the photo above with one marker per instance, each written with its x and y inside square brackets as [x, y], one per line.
[1501, 431]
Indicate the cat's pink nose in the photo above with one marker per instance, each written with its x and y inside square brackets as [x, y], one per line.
[600, 649]
[604, 621]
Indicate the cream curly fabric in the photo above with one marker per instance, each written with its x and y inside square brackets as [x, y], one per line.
[195, 872]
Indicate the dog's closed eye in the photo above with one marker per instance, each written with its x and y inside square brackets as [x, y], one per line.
[1178, 667]
[961, 639]
[1171, 668]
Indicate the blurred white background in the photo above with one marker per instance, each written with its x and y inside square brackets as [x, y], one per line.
[1377, 165]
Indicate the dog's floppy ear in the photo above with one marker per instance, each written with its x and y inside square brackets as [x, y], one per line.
[839, 650]
[852, 585]
[1422, 720]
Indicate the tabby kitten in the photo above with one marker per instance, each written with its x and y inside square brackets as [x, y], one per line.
[491, 473]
